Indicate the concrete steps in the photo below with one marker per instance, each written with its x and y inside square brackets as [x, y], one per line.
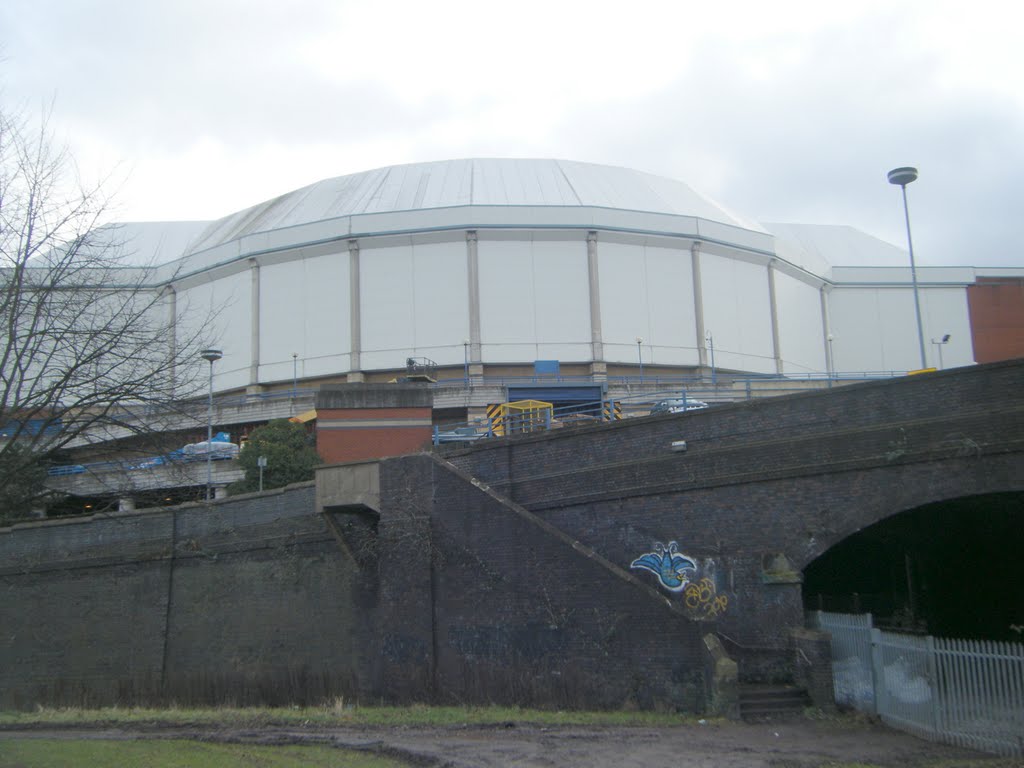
[772, 702]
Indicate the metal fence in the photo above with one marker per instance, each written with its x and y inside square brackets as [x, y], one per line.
[964, 692]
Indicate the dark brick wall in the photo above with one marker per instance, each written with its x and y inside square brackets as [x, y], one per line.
[505, 574]
[247, 601]
[766, 487]
[523, 617]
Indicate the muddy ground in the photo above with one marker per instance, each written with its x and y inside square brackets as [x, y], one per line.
[797, 744]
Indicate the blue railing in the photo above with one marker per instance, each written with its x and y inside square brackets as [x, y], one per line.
[132, 465]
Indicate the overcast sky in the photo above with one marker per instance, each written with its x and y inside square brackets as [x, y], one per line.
[782, 111]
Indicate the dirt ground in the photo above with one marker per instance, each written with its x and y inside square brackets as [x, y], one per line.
[798, 744]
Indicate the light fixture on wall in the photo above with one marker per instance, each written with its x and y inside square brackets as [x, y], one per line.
[940, 344]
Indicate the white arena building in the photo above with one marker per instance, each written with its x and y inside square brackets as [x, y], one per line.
[485, 266]
[605, 291]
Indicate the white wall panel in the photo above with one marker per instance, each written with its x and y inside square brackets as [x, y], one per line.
[801, 333]
[440, 302]
[875, 329]
[414, 302]
[647, 292]
[221, 311]
[534, 300]
[304, 308]
[945, 310]
[737, 312]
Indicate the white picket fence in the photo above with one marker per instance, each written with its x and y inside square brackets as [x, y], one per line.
[964, 692]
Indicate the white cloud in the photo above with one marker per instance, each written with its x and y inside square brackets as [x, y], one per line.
[783, 111]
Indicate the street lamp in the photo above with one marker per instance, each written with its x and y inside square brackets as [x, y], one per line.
[640, 356]
[295, 372]
[902, 177]
[211, 356]
[940, 344]
[711, 348]
[465, 361]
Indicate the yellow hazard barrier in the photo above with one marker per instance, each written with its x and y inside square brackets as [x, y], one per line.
[612, 410]
[519, 416]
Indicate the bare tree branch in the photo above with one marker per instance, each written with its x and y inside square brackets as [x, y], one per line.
[93, 340]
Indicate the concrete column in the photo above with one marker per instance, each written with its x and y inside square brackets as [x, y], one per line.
[826, 326]
[698, 304]
[476, 367]
[220, 492]
[355, 314]
[254, 337]
[126, 504]
[172, 336]
[774, 309]
[598, 366]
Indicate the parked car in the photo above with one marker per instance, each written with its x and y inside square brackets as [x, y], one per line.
[220, 447]
[460, 435]
[679, 405]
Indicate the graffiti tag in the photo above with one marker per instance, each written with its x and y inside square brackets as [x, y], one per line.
[702, 597]
[665, 562]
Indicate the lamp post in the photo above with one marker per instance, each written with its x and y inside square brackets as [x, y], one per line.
[211, 356]
[465, 361]
[940, 344]
[261, 462]
[902, 177]
[295, 373]
[711, 348]
[640, 356]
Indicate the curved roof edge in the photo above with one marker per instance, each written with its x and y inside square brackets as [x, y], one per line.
[473, 182]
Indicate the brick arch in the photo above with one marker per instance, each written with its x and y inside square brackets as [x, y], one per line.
[893, 491]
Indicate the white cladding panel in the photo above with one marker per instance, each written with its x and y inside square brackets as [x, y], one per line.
[221, 312]
[875, 328]
[534, 300]
[304, 309]
[801, 333]
[647, 292]
[737, 313]
[414, 303]
[945, 310]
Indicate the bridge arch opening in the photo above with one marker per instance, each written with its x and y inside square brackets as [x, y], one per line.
[952, 569]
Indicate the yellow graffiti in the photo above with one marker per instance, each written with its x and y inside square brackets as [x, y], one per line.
[701, 597]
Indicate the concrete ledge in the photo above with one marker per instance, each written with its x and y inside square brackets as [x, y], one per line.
[354, 395]
[348, 486]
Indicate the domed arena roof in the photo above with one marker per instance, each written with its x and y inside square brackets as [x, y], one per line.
[472, 182]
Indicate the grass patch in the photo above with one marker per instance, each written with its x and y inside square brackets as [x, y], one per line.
[99, 753]
[335, 714]
[981, 762]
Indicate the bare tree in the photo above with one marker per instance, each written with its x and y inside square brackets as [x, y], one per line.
[92, 344]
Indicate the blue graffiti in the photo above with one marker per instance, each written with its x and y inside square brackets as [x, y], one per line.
[668, 565]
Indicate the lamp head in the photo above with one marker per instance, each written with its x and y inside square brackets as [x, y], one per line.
[211, 355]
[902, 176]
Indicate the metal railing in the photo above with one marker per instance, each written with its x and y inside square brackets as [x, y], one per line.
[593, 412]
[964, 692]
